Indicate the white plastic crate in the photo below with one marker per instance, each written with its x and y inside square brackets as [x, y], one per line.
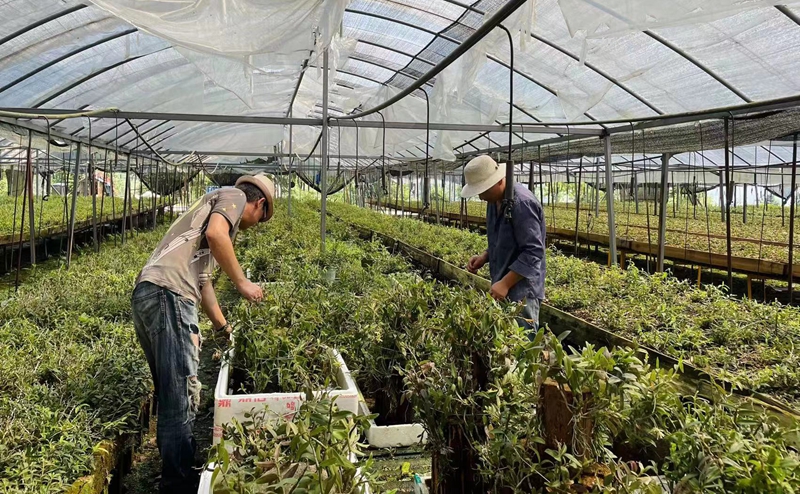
[392, 436]
[228, 405]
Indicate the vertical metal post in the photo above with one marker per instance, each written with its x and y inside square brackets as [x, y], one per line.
[612, 226]
[291, 162]
[31, 215]
[662, 212]
[324, 151]
[791, 219]
[71, 238]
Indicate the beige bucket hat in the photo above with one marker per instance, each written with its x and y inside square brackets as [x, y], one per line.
[266, 187]
[480, 175]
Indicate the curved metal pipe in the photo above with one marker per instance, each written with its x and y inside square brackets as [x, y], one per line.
[507, 9]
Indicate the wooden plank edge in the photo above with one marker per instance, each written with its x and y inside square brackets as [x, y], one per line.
[108, 453]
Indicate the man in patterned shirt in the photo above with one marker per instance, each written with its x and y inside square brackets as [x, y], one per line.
[177, 278]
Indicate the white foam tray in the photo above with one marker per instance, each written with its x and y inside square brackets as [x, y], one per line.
[228, 405]
[205, 479]
[392, 436]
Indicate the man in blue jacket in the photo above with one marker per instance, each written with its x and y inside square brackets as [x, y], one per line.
[516, 246]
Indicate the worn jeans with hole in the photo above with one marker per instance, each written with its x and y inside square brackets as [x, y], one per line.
[167, 328]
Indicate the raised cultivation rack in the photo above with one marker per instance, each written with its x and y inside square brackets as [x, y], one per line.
[754, 267]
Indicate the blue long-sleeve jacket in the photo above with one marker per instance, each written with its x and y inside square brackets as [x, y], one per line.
[519, 245]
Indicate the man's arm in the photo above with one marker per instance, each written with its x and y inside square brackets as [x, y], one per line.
[211, 306]
[219, 241]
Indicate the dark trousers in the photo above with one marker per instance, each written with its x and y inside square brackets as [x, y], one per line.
[529, 318]
[167, 328]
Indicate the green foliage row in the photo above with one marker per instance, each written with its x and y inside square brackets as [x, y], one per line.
[475, 382]
[51, 213]
[751, 343]
[71, 374]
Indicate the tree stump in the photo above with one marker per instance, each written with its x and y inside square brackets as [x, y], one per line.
[558, 406]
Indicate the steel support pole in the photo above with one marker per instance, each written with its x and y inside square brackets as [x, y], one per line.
[662, 212]
[722, 190]
[291, 161]
[31, 215]
[612, 226]
[791, 218]
[71, 230]
[324, 151]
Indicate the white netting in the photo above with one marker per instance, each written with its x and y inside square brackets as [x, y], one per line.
[234, 28]
[601, 18]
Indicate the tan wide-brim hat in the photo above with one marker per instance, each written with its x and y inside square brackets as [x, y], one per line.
[266, 187]
[480, 175]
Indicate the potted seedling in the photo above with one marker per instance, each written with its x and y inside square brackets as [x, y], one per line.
[330, 262]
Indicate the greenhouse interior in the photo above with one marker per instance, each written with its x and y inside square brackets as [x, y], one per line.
[507, 246]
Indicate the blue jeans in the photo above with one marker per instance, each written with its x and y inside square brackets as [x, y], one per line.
[529, 317]
[167, 328]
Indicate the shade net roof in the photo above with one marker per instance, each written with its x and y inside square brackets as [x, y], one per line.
[574, 61]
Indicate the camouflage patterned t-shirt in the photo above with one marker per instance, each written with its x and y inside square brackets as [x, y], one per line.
[182, 262]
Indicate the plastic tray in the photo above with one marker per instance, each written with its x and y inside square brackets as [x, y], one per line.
[392, 436]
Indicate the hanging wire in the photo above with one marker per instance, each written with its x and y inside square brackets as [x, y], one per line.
[426, 190]
[355, 121]
[578, 204]
[633, 179]
[46, 193]
[541, 179]
[763, 219]
[92, 185]
[729, 194]
[647, 205]
[708, 213]
[22, 219]
[105, 179]
[686, 222]
[66, 194]
[552, 201]
[383, 154]
[16, 196]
